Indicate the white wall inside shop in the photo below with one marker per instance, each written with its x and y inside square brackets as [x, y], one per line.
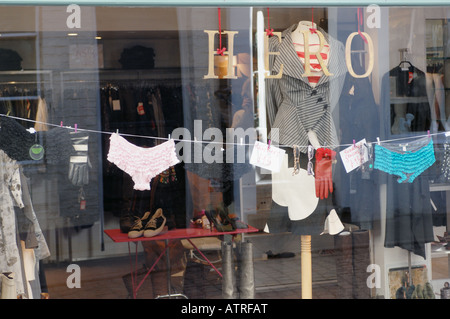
[120, 28]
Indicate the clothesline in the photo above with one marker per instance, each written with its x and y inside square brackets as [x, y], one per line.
[76, 128]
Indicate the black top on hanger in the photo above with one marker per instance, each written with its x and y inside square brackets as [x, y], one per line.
[403, 60]
[407, 62]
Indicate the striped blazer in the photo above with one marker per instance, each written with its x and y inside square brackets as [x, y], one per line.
[293, 106]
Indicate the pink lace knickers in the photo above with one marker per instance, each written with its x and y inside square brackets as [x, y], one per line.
[142, 164]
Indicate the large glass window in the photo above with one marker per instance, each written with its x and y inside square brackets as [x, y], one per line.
[224, 153]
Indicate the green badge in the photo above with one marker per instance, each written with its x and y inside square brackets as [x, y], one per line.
[36, 152]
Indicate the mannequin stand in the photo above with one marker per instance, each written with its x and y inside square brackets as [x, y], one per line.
[306, 264]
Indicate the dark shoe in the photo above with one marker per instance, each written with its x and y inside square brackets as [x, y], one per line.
[156, 224]
[215, 220]
[225, 218]
[137, 229]
[126, 222]
[236, 223]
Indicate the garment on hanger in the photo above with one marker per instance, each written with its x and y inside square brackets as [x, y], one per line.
[154, 108]
[25, 102]
[209, 107]
[444, 167]
[58, 147]
[410, 108]
[15, 140]
[358, 190]
[205, 108]
[80, 206]
[20, 227]
[46, 173]
[10, 196]
[37, 249]
[156, 102]
[409, 222]
[41, 116]
[294, 106]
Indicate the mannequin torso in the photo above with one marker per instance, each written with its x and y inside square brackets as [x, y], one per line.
[314, 45]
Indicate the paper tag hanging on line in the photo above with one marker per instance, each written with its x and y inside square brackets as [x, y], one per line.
[267, 157]
[351, 156]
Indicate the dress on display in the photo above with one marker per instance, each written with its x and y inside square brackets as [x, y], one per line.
[15, 198]
[358, 190]
[209, 107]
[409, 220]
[410, 108]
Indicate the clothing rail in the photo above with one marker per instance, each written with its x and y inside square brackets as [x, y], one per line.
[18, 98]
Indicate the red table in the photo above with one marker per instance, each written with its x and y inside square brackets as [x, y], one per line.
[183, 233]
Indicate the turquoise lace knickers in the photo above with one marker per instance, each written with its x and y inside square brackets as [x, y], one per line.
[405, 160]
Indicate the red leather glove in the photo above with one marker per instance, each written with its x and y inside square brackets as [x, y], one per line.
[323, 172]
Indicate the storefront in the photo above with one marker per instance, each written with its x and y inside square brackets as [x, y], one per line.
[270, 149]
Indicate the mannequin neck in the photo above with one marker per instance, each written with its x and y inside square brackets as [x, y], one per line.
[305, 25]
[297, 35]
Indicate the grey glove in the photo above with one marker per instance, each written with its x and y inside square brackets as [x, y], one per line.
[79, 161]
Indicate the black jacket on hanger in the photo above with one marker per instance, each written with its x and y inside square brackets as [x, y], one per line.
[410, 89]
[409, 223]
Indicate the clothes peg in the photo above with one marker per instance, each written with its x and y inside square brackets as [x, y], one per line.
[61, 124]
[378, 140]
[268, 147]
[428, 133]
[354, 144]
[76, 126]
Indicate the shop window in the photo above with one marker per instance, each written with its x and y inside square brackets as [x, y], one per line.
[235, 152]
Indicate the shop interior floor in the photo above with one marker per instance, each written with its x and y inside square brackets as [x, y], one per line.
[274, 279]
[278, 278]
